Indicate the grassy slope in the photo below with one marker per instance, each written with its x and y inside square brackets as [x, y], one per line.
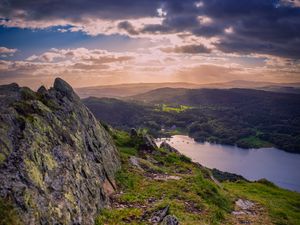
[194, 199]
[283, 205]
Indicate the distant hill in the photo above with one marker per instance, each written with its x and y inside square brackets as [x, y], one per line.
[250, 85]
[224, 97]
[125, 90]
[281, 89]
[115, 112]
[245, 117]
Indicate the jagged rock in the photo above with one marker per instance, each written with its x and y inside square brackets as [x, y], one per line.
[65, 89]
[168, 147]
[159, 215]
[42, 90]
[170, 220]
[57, 162]
[148, 144]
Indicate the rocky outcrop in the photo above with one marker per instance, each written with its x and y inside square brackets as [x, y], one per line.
[159, 215]
[162, 217]
[147, 144]
[225, 176]
[57, 162]
[170, 220]
[168, 147]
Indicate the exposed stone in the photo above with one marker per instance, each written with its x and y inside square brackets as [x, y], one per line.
[225, 176]
[170, 220]
[135, 162]
[166, 177]
[243, 207]
[57, 162]
[168, 147]
[159, 215]
[65, 89]
[148, 144]
[244, 204]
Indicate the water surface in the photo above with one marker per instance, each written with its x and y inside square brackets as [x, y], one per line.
[280, 167]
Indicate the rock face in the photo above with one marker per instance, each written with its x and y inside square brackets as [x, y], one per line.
[57, 162]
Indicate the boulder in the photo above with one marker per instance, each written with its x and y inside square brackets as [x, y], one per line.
[64, 89]
[57, 162]
[159, 215]
[170, 220]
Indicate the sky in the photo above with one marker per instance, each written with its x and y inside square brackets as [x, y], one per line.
[100, 42]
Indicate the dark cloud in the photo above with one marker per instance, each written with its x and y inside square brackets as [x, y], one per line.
[127, 26]
[248, 45]
[189, 49]
[76, 9]
[259, 26]
[266, 27]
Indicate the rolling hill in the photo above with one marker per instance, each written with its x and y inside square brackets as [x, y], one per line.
[244, 117]
[125, 90]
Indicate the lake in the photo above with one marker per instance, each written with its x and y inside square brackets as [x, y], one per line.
[280, 167]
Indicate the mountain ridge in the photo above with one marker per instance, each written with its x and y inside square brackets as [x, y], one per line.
[129, 89]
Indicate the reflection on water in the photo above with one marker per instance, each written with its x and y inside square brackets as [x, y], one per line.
[280, 167]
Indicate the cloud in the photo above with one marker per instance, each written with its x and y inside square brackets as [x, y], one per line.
[81, 66]
[189, 49]
[271, 26]
[90, 67]
[214, 73]
[80, 54]
[247, 27]
[251, 39]
[127, 26]
[294, 3]
[76, 10]
[5, 52]
[210, 73]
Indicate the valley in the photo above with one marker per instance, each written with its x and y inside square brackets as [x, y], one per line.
[60, 165]
[242, 117]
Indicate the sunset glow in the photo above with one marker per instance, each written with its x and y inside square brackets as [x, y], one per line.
[94, 42]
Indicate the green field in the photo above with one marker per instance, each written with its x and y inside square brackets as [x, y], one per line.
[168, 108]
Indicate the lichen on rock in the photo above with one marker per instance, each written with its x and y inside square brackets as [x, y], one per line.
[56, 159]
